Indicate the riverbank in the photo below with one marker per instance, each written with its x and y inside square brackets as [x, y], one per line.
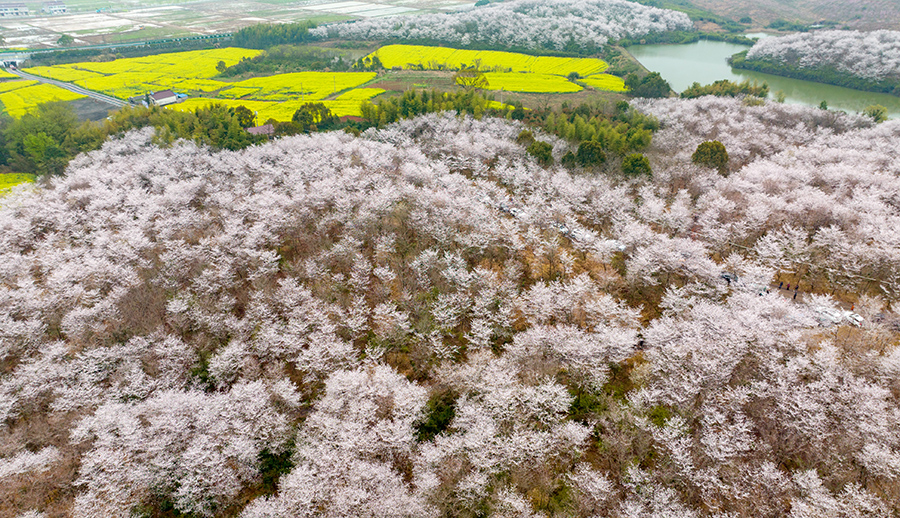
[824, 75]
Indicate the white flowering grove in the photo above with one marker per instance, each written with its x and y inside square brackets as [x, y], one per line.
[530, 24]
[871, 55]
[422, 321]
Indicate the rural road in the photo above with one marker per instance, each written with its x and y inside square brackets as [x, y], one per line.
[72, 88]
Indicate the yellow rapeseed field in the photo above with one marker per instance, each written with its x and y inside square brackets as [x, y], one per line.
[9, 86]
[7, 75]
[605, 82]
[63, 73]
[442, 58]
[129, 77]
[529, 83]
[19, 101]
[307, 86]
[10, 180]
[275, 96]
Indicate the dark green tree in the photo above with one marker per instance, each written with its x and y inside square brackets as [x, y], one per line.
[590, 153]
[635, 165]
[34, 142]
[244, 116]
[542, 151]
[651, 85]
[313, 117]
[525, 138]
[711, 153]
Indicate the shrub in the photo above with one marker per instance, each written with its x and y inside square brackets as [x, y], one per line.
[542, 151]
[635, 165]
[590, 153]
[711, 153]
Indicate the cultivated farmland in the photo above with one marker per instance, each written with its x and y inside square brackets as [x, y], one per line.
[607, 82]
[509, 71]
[19, 97]
[529, 83]
[274, 97]
[442, 58]
[125, 78]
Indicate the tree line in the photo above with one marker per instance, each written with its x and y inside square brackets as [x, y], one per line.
[262, 35]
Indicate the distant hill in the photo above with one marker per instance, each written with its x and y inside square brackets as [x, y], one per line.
[857, 14]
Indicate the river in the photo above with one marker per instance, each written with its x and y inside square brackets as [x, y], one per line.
[704, 62]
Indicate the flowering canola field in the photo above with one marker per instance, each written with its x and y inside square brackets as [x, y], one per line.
[192, 72]
[344, 104]
[442, 58]
[529, 83]
[605, 82]
[20, 97]
[124, 78]
[509, 71]
[10, 180]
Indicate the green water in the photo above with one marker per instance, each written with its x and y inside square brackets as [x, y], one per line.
[704, 62]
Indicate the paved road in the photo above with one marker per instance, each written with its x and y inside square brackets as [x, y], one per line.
[72, 88]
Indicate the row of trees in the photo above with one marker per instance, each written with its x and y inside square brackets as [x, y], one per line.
[724, 87]
[44, 141]
[861, 60]
[283, 59]
[264, 35]
[582, 26]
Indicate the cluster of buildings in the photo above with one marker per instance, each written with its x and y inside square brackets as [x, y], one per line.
[17, 9]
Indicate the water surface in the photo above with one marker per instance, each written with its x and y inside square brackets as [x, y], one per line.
[705, 61]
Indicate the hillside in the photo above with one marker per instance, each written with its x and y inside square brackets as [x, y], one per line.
[424, 321]
[862, 15]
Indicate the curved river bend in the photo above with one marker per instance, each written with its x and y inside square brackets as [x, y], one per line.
[705, 62]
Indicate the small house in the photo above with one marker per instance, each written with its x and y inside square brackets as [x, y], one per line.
[12, 10]
[163, 97]
[265, 129]
[54, 7]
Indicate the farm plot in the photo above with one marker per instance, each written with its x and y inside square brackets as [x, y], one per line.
[276, 96]
[607, 82]
[303, 85]
[125, 78]
[442, 58]
[529, 83]
[20, 97]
